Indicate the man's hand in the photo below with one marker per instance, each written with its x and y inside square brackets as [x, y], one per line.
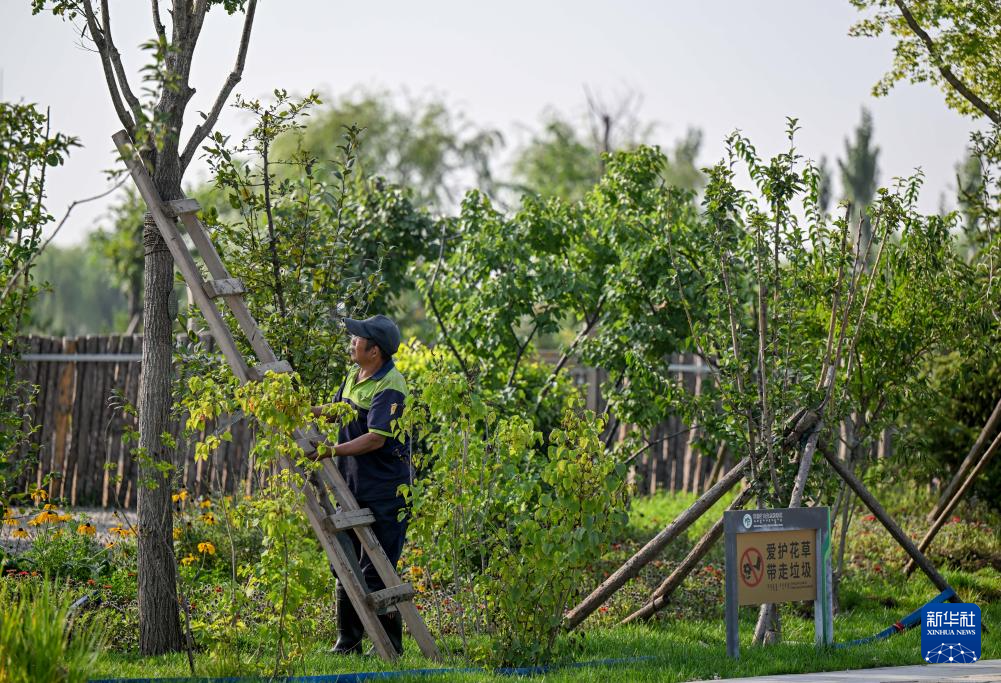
[328, 452]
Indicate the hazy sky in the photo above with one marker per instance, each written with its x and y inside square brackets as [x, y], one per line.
[716, 65]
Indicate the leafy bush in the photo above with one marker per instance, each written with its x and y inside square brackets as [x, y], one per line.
[506, 520]
[58, 552]
[41, 639]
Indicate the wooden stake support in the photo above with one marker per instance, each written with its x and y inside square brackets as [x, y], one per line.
[330, 525]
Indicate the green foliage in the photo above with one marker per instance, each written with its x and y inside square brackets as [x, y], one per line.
[966, 38]
[287, 237]
[60, 552]
[505, 520]
[28, 149]
[601, 265]
[41, 639]
[251, 569]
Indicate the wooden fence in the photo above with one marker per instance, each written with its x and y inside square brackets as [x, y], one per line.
[80, 425]
[84, 382]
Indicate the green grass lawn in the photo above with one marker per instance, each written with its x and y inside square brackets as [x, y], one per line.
[687, 640]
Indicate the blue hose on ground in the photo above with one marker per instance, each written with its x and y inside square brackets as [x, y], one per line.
[910, 621]
[379, 675]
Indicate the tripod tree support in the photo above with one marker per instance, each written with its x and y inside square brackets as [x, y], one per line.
[954, 501]
[884, 518]
[653, 548]
[993, 422]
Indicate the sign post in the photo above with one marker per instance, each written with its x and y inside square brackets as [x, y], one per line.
[777, 556]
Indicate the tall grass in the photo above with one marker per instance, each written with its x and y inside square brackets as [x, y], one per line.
[41, 640]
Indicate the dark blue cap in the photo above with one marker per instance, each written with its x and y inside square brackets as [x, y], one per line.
[380, 329]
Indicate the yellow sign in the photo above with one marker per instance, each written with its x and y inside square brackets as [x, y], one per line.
[776, 566]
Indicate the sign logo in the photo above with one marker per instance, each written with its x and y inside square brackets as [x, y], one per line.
[950, 633]
[748, 522]
[751, 567]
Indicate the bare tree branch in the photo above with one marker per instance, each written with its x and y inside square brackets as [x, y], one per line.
[589, 323]
[197, 19]
[102, 47]
[434, 306]
[944, 69]
[116, 61]
[161, 32]
[234, 77]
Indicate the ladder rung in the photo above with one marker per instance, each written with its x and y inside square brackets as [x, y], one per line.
[176, 207]
[217, 288]
[349, 519]
[258, 371]
[306, 439]
[387, 597]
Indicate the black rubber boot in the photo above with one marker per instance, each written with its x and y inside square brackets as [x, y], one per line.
[393, 623]
[349, 628]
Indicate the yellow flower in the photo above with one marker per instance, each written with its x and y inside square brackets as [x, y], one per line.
[109, 545]
[49, 506]
[119, 531]
[177, 532]
[180, 496]
[10, 520]
[43, 517]
[205, 504]
[228, 500]
[206, 547]
[86, 529]
[39, 495]
[20, 533]
[63, 517]
[188, 559]
[208, 518]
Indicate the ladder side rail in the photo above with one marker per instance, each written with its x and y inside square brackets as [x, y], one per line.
[337, 546]
[236, 302]
[386, 570]
[355, 589]
[182, 257]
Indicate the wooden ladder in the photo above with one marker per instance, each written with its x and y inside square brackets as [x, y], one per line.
[330, 525]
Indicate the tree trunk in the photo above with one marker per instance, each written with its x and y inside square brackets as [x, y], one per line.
[159, 622]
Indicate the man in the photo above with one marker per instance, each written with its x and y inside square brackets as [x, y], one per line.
[373, 461]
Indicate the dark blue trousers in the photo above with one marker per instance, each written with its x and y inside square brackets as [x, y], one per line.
[391, 533]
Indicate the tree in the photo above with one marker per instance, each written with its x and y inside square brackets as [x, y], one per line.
[562, 161]
[154, 126]
[860, 171]
[953, 45]
[414, 143]
[825, 183]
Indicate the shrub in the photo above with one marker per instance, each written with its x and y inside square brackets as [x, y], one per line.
[512, 519]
